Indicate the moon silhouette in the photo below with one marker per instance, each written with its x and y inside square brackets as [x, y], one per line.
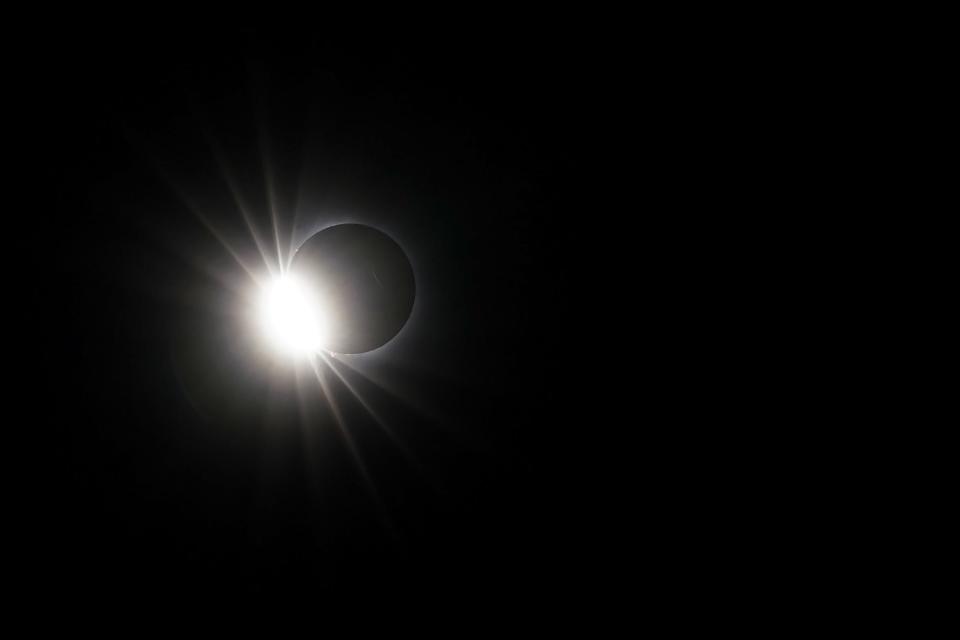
[365, 282]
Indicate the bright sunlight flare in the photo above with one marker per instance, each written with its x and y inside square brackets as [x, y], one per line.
[292, 316]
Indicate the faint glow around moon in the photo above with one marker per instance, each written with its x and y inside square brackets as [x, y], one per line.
[292, 317]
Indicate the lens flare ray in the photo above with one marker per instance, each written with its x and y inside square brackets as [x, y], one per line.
[404, 449]
[272, 266]
[352, 446]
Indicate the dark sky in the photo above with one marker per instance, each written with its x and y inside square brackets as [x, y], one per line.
[175, 457]
[624, 233]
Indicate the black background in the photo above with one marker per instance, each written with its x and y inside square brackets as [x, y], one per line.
[611, 388]
[174, 455]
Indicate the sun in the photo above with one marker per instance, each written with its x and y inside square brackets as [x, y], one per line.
[292, 316]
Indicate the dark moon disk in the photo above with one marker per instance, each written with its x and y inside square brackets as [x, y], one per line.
[365, 281]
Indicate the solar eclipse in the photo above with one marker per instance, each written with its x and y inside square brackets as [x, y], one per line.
[350, 289]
